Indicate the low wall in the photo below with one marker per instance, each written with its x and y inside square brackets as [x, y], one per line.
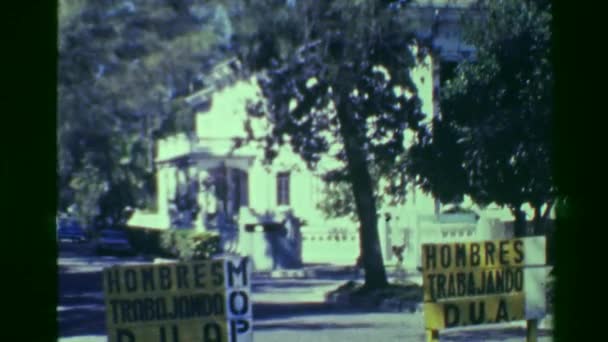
[338, 247]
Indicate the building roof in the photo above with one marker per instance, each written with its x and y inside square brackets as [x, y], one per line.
[145, 220]
[225, 119]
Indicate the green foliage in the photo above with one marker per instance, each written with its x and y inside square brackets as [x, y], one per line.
[336, 72]
[124, 67]
[493, 139]
[185, 201]
[190, 245]
[338, 201]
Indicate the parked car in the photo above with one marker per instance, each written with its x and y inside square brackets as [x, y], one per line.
[70, 232]
[111, 241]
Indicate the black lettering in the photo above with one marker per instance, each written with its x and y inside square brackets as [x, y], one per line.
[502, 314]
[490, 249]
[125, 311]
[471, 284]
[182, 274]
[519, 280]
[509, 281]
[198, 305]
[178, 309]
[163, 334]
[441, 286]
[141, 306]
[490, 283]
[217, 273]
[161, 308]
[147, 279]
[149, 309]
[500, 280]
[199, 275]
[518, 247]
[432, 285]
[504, 253]
[477, 316]
[207, 305]
[212, 332]
[124, 335]
[185, 309]
[475, 254]
[173, 314]
[218, 304]
[244, 303]
[112, 281]
[238, 326]
[446, 256]
[461, 280]
[164, 273]
[114, 304]
[451, 315]
[135, 309]
[461, 255]
[451, 286]
[431, 257]
[130, 280]
[242, 268]
[482, 289]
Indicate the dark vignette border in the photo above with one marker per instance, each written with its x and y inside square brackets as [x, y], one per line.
[28, 171]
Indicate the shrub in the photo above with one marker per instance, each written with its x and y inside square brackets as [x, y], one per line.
[190, 245]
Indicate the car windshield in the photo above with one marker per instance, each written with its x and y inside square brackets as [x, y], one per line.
[113, 235]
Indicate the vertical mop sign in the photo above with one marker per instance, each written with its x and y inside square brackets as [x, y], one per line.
[206, 301]
[483, 282]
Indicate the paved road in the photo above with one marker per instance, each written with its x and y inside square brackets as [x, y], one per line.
[284, 310]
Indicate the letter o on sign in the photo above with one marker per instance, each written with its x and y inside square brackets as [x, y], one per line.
[239, 303]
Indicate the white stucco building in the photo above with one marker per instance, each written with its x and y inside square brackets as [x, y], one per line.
[253, 198]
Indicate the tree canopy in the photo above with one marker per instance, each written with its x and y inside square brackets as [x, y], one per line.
[492, 140]
[123, 65]
[337, 72]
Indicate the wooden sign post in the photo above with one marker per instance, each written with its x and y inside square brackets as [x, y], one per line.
[484, 282]
[432, 335]
[531, 330]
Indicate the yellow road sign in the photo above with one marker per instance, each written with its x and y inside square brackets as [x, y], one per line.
[189, 301]
[468, 283]
[474, 311]
[481, 282]
[483, 254]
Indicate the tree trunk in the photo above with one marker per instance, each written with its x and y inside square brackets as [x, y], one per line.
[362, 186]
[519, 228]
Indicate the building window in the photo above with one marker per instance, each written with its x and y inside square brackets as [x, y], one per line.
[283, 188]
[239, 191]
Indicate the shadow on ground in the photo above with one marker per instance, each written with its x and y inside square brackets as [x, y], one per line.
[309, 326]
[485, 335]
[263, 311]
[76, 283]
[82, 321]
[269, 286]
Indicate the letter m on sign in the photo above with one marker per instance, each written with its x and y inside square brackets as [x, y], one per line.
[238, 272]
